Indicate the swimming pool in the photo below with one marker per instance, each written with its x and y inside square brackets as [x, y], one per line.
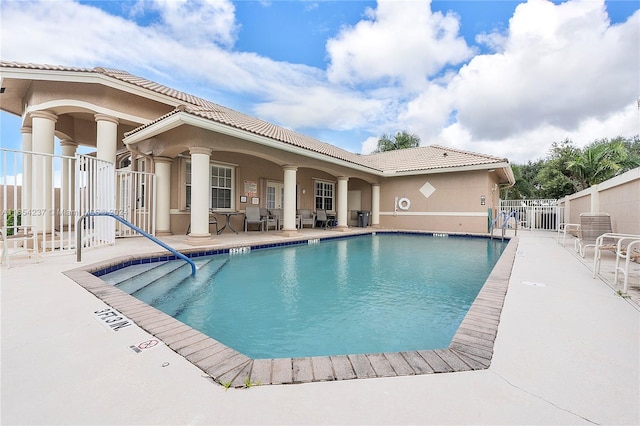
[367, 294]
[470, 349]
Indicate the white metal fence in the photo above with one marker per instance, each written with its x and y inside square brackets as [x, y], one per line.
[135, 201]
[543, 214]
[95, 192]
[50, 192]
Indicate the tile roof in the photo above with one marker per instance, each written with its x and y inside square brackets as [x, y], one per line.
[428, 158]
[406, 160]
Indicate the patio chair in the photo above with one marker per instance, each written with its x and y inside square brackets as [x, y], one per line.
[592, 225]
[212, 221]
[626, 254]
[277, 218]
[270, 221]
[16, 239]
[322, 219]
[307, 218]
[252, 217]
[613, 242]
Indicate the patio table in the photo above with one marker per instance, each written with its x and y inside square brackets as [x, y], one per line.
[227, 222]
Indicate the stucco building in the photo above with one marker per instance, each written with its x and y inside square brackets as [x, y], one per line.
[204, 157]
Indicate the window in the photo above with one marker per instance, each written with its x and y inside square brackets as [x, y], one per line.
[221, 186]
[324, 195]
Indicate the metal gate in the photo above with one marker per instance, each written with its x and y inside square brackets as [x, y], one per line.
[135, 202]
[544, 214]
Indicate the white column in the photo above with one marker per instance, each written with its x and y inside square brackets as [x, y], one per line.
[289, 208]
[375, 204]
[200, 182]
[163, 195]
[67, 189]
[106, 137]
[43, 127]
[26, 199]
[343, 192]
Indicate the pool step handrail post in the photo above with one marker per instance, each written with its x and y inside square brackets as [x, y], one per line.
[79, 228]
[501, 215]
[505, 220]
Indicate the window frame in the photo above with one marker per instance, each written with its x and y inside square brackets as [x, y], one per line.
[322, 186]
[231, 178]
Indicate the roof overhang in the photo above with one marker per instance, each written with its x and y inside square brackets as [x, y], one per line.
[181, 118]
[505, 166]
[83, 76]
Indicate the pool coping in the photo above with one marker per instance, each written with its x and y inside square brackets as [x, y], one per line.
[470, 349]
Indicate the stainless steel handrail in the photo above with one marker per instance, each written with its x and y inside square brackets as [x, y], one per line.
[79, 228]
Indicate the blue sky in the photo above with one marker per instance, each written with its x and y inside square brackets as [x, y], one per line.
[505, 78]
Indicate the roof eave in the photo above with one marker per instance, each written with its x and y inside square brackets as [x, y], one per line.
[90, 77]
[485, 166]
[183, 118]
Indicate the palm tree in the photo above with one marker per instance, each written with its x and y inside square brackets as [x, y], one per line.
[401, 140]
[597, 163]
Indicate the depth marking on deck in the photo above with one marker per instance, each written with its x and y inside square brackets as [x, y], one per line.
[112, 319]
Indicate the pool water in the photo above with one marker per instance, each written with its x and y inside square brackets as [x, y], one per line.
[367, 294]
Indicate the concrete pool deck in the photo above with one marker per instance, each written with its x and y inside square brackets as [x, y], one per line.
[567, 352]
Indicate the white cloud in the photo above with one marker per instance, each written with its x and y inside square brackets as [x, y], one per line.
[196, 21]
[534, 144]
[562, 64]
[369, 145]
[558, 71]
[321, 106]
[402, 43]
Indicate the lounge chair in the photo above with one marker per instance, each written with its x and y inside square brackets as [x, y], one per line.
[626, 253]
[322, 219]
[307, 218]
[252, 217]
[592, 225]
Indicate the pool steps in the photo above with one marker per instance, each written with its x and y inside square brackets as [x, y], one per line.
[119, 276]
[190, 290]
[158, 288]
[158, 283]
[142, 280]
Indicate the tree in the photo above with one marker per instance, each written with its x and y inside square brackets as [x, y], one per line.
[401, 140]
[554, 179]
[526, 185]
[568, 169]
[600, 161]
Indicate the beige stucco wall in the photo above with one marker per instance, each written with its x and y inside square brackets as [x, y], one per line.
[619, 196]
[454, 206]
[579, 205]
[623, 204]
[76, 103]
